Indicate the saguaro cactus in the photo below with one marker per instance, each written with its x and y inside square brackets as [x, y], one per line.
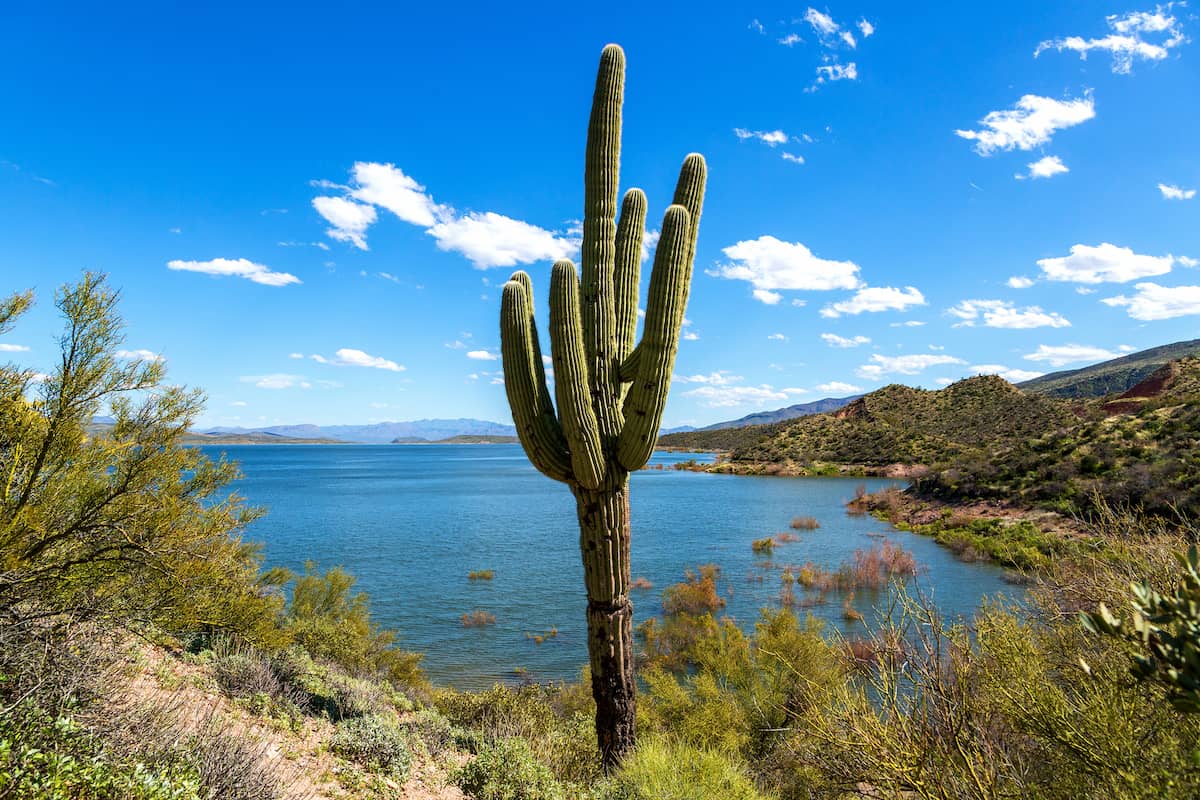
[610, 394]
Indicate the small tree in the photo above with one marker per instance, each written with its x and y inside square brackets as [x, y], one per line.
[121, 523]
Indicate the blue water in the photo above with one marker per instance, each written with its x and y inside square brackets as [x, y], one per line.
[411, 521]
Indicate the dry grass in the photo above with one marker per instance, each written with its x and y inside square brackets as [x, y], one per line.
[481, 575]
[641, 583]
[804, 523]
[478, 619]
[764, 546]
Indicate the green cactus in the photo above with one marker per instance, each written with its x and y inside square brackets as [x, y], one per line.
[610, 393]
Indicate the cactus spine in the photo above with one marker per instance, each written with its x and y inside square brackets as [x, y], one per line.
[610, 393]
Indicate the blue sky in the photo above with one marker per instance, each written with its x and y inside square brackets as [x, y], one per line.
[309, 209]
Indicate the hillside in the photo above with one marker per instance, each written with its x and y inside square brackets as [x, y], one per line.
[1142, 450]
[719, 439]
[1110, 377]
[902, 425]
[784, 414]
[384, 432]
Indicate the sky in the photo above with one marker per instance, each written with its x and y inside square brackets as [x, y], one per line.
[309, 210]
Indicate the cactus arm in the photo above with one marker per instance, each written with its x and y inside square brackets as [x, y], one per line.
[571, 378]
[689, 193]
[660, 341]
[601, 180]
[525, 383]
[631, 227]
[522, 277]
[629, 367]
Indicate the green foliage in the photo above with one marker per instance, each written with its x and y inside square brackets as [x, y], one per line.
[1110, 377]
[507, 770]
[375, 742]
[53, 757]
[664, 769]
[332, 623]
[1165, 630]
[688, 609]
[125, 525]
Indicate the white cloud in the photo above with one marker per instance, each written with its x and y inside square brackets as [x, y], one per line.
[1154, 302]
[837, 72]
[349, 357]
[1009, 374]
[719, 378]
[912, 364]
[277, 381]
[238, 404]
[493, 240]
[823, 24]
[318, 245]
[487, 238]
[1127, 41]
[1046, 167]
[768, 263]
[349, 219]
[1003, 314]
[726, 396]
[1060, 355]
[792, 157]
[1171, 192]
[833, 340]
[1019, 282]
[865, 27]
[912, 323]
[1029, 124]
[13, 348]
[777, 337]
[690, 336]
[386, 186]
[1104, 263]
[848, 38]
[481, 355]
[238, 267]
[791, 40]
[838, 387]
[875, 299]
[139, 355]
[770, 138]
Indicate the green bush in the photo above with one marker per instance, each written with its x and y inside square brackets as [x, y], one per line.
[507, 770]
[434, 730]
[374, 742]
[664, 769]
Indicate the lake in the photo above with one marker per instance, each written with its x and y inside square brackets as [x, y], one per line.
[411, 521]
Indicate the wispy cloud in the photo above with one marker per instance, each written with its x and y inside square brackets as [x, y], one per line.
[833, 340]
[838, 387]
[913, 364]
[1171, 192]
[1061, 355]
[769, 138]
[13, 348]
[140, 355]
[1029, 124]
[277, 380]
[236, 267]
[350, 357]
[1136, 36]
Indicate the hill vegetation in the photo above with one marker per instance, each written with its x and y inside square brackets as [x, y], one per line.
[1110, 377]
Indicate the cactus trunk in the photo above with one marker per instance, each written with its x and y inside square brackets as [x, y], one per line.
[610, 393]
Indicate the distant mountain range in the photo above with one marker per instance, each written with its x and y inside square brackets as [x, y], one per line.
[1110, 377]
[782, 414]
[421, 430]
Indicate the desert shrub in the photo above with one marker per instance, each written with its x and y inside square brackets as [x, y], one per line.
[664, 769]
[333, 624]
[481, 575]
[375, 742]
[478, 619]
[435, 731]
[507, 770]
[805, 523]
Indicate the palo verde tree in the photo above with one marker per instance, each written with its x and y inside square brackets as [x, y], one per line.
[116, 523]
[610, 394]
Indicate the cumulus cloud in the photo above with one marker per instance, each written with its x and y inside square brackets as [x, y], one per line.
[487, 239]
[1046, 167]
[1136, 36]
[823, 24]
[874, 299]
[236, 267]
[865, 28]
[1019, 282]
[1171, 192]
[481, 355]
[838, 387]
[911, 364]
[1029, 124]
[350, 357]
[768, 264]
[1104, 263]
[833, 340]
[1154, 302]
[1003, 314]
[1061, 355]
